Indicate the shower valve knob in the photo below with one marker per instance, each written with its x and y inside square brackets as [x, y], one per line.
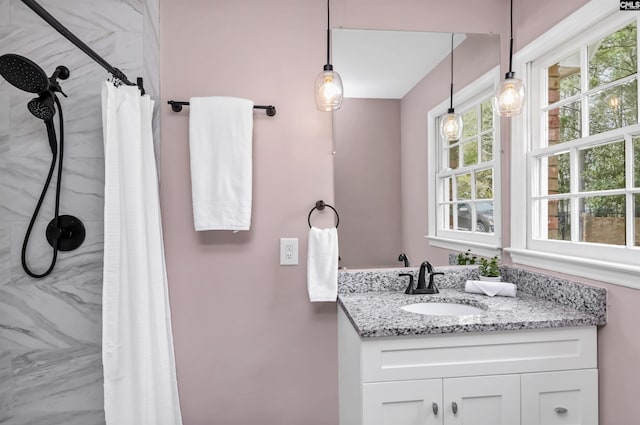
[68, 234]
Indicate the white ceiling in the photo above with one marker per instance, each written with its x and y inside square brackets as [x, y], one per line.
[386, 64]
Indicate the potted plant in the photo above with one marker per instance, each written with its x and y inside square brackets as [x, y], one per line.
[466, 258]
[489, 269]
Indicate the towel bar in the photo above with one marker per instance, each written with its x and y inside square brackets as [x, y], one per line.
[177, 105]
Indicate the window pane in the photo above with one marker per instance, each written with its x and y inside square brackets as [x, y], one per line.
[454, 157]
[470, 149]
[636, 161]
[484, 217]
[555, 174]
[484, 184]
[447, 213]
[564, 78]
[558, 214]
[470, 123]
[602, 167]
[446, 189]
[613, 57]
[602, 220]
[613, 108]
[565, 123]
[463, 186]
[487, 115]
[464, 216]
[486, 153]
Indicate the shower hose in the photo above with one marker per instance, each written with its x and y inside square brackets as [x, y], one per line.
[51, 133]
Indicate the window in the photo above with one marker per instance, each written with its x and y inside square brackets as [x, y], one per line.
[581, 186]
[465, 174]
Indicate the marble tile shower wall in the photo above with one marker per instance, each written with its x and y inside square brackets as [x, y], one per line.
[50, 329]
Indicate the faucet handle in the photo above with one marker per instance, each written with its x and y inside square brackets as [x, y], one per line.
[409, 290]
[432, 285]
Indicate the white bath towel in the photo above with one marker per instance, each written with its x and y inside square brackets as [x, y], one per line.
[504, 289]
[220, 146]
[322, 264]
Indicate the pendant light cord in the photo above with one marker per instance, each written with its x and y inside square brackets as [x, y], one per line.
[511, 40]
[451, 91]
[329, 33]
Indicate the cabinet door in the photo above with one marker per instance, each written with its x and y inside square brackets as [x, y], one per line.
[482, 400]
[560, 398]
[402, 402]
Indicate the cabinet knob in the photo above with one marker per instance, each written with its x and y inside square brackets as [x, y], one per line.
[561, 410]
[454, 407]
[434, 406]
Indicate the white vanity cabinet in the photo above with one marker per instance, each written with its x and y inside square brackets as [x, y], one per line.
[479, 400]
[558, 398]
[524, 377]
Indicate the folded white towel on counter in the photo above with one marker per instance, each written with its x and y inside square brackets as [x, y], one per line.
[503, 289]
[220, 147]
[322, 264]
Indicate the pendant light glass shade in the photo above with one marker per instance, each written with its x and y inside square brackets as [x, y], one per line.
[328, 90]
[509, 96]
[328, 87]
[451, 126]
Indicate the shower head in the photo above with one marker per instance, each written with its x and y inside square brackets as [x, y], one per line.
[23, 73]
[42, 106]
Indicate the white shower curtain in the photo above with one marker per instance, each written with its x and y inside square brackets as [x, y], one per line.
[140, 385]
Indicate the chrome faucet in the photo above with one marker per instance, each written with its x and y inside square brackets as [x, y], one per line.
[422, 288]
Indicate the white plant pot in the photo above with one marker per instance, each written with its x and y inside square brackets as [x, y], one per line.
[491, 278]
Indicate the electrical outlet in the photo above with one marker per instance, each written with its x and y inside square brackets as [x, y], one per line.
[288, 251]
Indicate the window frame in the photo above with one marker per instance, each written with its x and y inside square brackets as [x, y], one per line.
[596, 261]
[482, 244]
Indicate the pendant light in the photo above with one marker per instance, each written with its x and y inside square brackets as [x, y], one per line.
[328, 86]
[451, 124]
[509, 96]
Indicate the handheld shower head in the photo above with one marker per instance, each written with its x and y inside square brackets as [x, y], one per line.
[23, 73]
[42, 106]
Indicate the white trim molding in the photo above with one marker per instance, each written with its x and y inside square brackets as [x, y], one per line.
[605, 271]
[481, 249]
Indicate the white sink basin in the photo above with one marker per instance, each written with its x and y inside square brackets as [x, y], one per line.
[443, 309]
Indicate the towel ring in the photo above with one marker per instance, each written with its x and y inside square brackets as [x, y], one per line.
[320, 206]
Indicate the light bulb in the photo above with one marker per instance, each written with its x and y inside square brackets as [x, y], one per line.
[451, 126]
[328, 91]
[509, 97]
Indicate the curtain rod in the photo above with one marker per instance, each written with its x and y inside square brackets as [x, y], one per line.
[53, 22]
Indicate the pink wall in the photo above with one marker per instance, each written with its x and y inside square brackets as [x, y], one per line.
[250, 348]
[367, 181]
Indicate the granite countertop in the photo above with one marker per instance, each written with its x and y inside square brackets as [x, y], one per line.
[377, 314]
[372, 300]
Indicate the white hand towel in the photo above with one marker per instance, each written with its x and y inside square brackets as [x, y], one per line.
[220, 146]
[322, 264]
[504, 289]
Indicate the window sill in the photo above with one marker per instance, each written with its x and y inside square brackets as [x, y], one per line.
[605, 271]
[481, 249]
